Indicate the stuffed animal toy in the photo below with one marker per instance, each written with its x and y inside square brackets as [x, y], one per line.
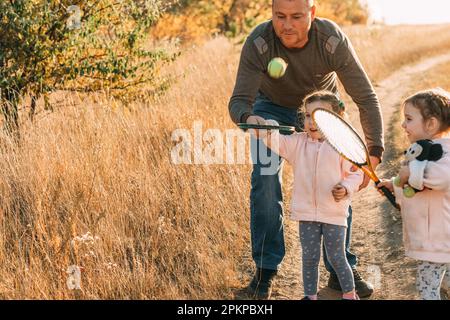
[417, 157]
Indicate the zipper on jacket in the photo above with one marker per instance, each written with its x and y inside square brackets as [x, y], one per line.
[315, 180]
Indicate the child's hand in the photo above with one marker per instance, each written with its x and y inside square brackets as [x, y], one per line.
[404, 175]
[339, 192]
[259, 133]
[385, 183]
[254, 119]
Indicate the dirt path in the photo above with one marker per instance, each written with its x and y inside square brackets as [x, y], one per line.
[377, 233]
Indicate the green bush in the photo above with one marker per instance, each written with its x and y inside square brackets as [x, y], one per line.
[77, 45]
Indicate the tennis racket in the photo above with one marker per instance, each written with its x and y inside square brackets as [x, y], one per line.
[346, 141]
[282, 129]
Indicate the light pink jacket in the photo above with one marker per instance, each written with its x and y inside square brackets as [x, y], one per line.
[317, 169]
[426, 216]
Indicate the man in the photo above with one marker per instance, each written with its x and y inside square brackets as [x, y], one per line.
[317, 52]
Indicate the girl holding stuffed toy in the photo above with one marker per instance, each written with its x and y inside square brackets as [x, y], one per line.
[426, 214]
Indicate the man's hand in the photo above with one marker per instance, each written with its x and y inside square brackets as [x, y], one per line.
[254, 119]
[339, 192]
[375, 162]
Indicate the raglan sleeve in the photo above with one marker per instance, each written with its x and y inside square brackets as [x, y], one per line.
[352, 178]
[284, 145]
[248, 80]
[356, 83]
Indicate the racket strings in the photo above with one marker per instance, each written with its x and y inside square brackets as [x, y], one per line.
[344, 139]
[341, 136]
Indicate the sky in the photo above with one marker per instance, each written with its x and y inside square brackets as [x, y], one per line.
[410, 11]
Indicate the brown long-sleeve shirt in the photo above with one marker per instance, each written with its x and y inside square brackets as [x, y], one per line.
[327, 55]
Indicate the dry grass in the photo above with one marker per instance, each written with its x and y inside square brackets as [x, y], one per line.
[173, 231]
[436, 77]
[163, 231]
[108, 173]
[383, 49]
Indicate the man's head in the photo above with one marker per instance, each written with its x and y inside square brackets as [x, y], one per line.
[292, 20]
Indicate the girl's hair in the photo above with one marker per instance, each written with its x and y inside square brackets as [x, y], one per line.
[433, 103]
[326, 96]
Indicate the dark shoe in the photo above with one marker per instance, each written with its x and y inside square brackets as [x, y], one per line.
[445, 293]
[363, 288]
[333, 282]
[261, 285]
[306, 298]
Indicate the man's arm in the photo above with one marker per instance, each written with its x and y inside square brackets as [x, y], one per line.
[248, 81]
[357, 84]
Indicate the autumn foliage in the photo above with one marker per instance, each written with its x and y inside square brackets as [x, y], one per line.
[194, 19]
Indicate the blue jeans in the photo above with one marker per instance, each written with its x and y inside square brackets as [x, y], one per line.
[266, 199]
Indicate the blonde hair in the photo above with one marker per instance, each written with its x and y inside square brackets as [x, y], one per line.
[432, 103]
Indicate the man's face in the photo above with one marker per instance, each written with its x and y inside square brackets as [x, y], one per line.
[292, 20]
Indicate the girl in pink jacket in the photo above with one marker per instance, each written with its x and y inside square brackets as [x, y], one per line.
[323, 185]
[426, 215]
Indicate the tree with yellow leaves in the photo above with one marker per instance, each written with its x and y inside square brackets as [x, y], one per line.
[193, 19]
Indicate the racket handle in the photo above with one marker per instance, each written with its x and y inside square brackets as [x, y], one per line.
[389, 195]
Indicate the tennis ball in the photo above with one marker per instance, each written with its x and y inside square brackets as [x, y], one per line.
[397, 181]
[409, 192]
[277, 67]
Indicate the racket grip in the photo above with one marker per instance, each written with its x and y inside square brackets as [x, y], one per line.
[390, 196]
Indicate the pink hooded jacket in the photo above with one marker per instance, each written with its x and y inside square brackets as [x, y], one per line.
[426, 216]
[317, 169]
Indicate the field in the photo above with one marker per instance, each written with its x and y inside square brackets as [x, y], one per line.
[93, 185]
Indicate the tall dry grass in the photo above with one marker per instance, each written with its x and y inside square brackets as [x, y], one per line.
[164, 230]
[152, 229]
[383, 49]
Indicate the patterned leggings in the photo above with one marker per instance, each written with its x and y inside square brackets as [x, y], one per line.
[430, 275]
[334, 240]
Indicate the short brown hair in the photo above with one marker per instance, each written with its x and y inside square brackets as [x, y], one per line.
[309, 2]
[433, 103]
[326, 96]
